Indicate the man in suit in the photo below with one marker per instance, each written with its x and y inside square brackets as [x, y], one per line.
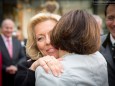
[12, 52]
[108, 42]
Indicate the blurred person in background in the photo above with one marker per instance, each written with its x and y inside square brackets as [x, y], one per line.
[20, 37]
[12, 52]
[100, 23]
[39, 50]
[108, 41]
[77, 37]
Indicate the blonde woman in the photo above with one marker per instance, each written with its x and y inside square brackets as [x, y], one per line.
[39, 49]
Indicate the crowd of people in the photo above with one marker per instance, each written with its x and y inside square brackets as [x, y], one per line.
[62, 50]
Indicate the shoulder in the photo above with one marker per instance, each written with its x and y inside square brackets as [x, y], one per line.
[84, 61]
[49, 80]
[40, 72]
[103, 38]
[100, 57]
[41, 76]
[25, 64]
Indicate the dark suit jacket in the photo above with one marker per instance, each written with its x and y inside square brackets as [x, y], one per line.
[106, 51]
[18, 56]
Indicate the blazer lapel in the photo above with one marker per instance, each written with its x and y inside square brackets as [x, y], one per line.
[3, 47]
[107, 54]
[14, 47]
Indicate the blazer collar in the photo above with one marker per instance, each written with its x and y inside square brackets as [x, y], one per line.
[107, 41]
[106, 52]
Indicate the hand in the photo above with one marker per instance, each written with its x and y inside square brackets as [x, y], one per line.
[11, 69]
[49, 63]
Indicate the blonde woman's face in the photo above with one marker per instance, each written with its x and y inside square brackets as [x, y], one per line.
[42, 31]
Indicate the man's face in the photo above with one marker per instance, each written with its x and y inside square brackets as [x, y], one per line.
[7, 28]
[110, 19]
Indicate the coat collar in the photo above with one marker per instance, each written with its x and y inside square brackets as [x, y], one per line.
[105, 50]
[107, 41]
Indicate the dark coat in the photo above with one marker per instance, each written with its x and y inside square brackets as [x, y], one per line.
[25, 76]
[107, 53]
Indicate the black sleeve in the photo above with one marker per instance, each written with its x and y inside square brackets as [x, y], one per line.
[24, 76]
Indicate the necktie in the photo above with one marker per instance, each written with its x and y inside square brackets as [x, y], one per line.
[9, 48]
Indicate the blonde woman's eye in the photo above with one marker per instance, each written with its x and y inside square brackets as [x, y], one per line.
[41, 39]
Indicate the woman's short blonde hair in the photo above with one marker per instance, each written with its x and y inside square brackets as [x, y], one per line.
[31, 47]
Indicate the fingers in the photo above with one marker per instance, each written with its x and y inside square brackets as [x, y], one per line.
[50, 63]
[60, 59]
[53, 65]
[11, 69]
[40, 62]
[60, 66]
[44, 65]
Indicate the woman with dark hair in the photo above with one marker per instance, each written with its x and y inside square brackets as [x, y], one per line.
[77, 36]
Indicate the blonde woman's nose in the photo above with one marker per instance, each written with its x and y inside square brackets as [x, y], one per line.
[48, 39]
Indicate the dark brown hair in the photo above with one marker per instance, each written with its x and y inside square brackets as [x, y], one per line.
[107, 5]
[76, 32]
